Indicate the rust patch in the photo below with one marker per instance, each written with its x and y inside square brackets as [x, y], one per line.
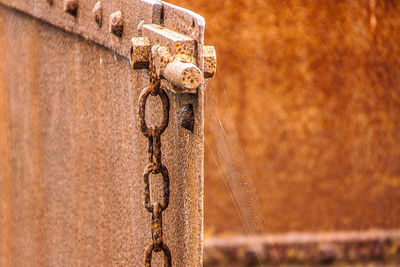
[191, 77]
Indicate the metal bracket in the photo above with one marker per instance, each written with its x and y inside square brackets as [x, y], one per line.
[175, 57]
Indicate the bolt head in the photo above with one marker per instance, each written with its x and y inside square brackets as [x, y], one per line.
[98, 13]
[210, 61]
[116, 23]
[140, 52]
[71, 7]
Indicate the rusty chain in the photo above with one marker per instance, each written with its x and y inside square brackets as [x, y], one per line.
[155, 166]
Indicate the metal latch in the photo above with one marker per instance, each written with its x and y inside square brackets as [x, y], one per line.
[174, 57]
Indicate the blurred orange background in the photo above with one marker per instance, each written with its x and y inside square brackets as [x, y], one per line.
[310, 90]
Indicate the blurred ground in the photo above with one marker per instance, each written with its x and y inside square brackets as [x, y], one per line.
[312, 90]
[311, 249]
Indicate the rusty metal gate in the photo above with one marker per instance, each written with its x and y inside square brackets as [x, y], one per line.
[71, 133]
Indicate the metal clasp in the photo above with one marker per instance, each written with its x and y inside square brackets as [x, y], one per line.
[174, 57]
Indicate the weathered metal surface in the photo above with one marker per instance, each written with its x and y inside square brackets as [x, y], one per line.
[310, 90]
[72, 152]
[84, 21]
[305, 249]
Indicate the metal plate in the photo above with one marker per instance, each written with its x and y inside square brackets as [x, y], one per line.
[72, 153]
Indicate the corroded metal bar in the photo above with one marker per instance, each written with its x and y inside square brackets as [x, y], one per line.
[303, 249]
[182, 74]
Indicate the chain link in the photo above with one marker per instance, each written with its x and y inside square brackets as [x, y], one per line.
[155, 166]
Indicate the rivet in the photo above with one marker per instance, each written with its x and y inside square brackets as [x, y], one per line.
[186, 117]
[71, 7]
[116, 23]
[98, 13]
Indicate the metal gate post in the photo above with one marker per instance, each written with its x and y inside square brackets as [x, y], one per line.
[73, 154]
